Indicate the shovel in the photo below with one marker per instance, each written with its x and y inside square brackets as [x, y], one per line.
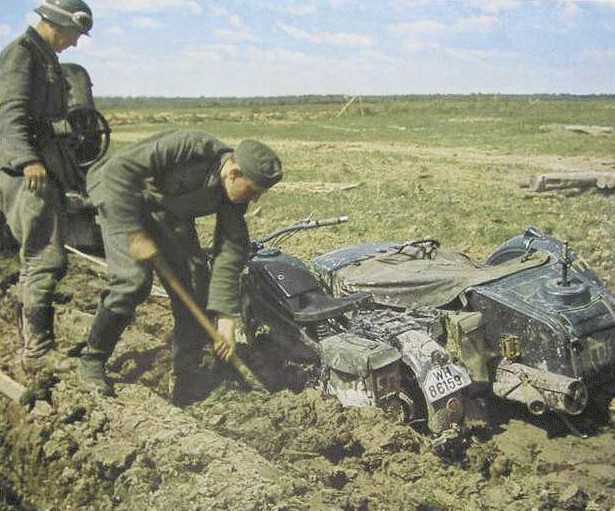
[167, 274]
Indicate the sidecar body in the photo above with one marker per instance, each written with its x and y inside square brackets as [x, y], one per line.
[534, 324]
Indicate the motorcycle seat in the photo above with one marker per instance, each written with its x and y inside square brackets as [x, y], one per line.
[316, 305]
[299, 292]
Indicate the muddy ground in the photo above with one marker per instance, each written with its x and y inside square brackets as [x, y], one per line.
[240, 449]
[288, 449]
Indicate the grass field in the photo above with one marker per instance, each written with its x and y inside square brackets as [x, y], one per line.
[400, 168]
[407, 168]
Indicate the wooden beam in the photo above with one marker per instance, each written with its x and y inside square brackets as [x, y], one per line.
[562, 180]
[12, 389]
[346, 106]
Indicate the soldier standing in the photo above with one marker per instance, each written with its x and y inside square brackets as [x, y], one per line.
[148, 195]
[37, 165]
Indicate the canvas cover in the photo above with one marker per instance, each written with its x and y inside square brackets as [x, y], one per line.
[407, 277]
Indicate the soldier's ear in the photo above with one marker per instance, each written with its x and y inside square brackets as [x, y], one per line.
[230, 168]
[234, 170]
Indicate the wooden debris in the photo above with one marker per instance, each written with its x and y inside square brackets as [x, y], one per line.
[606, 180]
[589, 130]
[12, 389]
[563, 180]
[96, 260]
[156, 290]
[255, 212]
[314, 187]
[580, 128]
[352, 99]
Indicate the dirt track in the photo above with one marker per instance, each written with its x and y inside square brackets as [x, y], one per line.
[242, 450]
[541, 163]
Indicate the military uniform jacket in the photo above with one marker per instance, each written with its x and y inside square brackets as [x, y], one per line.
[33, 93]
[180, 171]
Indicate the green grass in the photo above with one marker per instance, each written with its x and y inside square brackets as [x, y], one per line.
[446, 167]
[507, 123]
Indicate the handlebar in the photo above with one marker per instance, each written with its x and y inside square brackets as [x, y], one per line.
[301, 226]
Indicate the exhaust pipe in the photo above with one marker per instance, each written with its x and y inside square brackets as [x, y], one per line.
[540, 390]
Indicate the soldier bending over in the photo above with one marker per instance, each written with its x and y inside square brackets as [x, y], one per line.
[148, 195]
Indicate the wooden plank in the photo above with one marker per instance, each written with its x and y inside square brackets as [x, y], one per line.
[606, 180]
[562, 180]
[11, 389]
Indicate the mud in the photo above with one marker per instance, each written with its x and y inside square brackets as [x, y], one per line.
[239, 449]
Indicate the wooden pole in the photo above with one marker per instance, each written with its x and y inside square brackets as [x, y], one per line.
[12, 389]
[156, 290]
[562, 180]
[96, 260]
[346, 106]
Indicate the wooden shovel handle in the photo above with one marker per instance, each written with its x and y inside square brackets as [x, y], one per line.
[202, 319]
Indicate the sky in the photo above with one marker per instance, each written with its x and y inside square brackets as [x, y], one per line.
[246, 48]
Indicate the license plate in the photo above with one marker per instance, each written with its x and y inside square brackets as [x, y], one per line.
[443, 381]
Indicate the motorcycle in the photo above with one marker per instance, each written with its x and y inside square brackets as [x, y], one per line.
[362, 354]
[435, 334]
[532, 325]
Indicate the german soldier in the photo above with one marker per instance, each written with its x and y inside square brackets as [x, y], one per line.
[148, 195]
[37, 166]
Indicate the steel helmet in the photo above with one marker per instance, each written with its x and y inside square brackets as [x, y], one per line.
[73, 14]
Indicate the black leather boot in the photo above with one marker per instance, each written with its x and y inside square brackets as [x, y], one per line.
[36, 325]
[106, 329]
[186, 385]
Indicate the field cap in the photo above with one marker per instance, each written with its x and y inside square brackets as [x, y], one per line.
[259, 163]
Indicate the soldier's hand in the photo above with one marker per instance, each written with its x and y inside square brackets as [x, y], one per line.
[142, 247]
[224, 348]
[35, 176]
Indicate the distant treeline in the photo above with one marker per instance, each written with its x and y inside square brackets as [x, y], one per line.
[106, 102]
